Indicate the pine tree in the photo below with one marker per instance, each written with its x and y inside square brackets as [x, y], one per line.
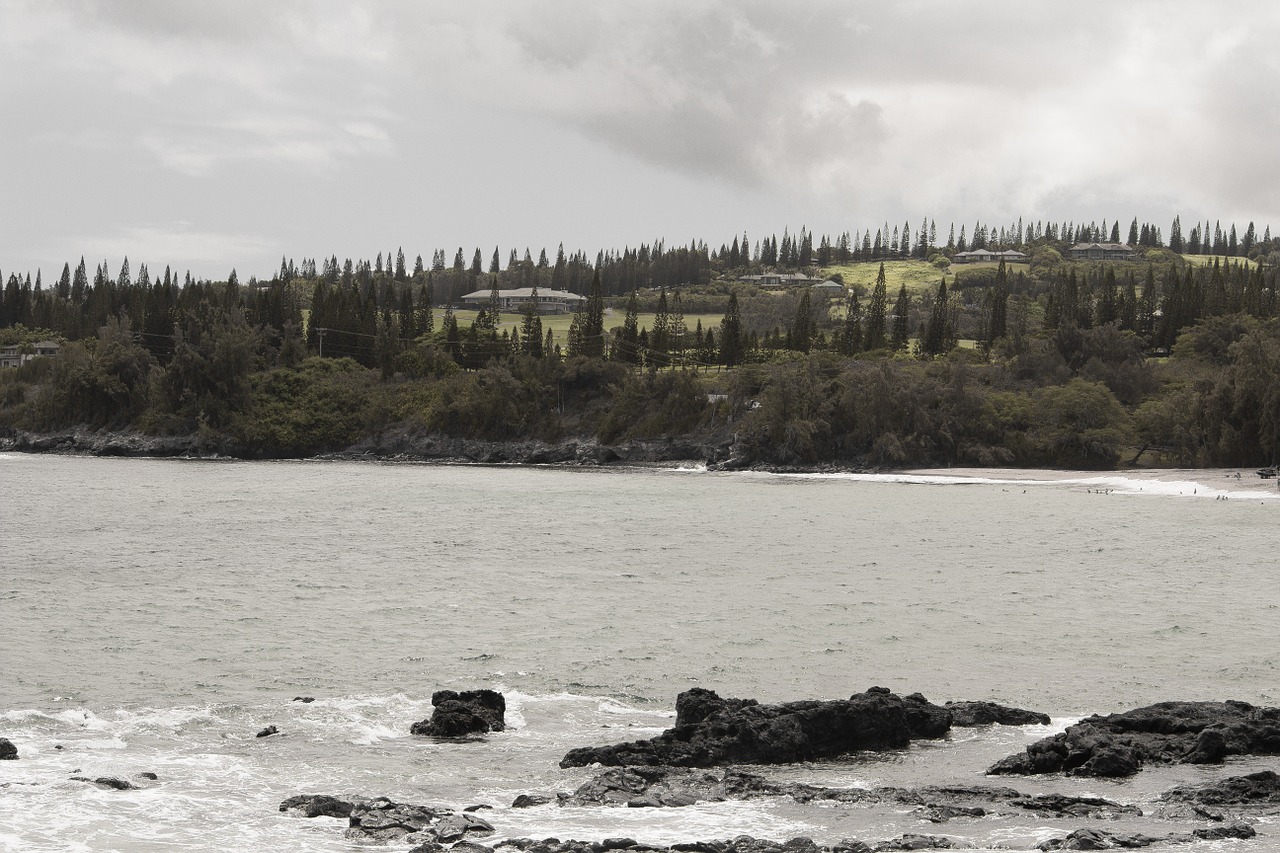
[593, 319]
[659, 337]
[1108, 305]
[999, 306]
[452, 337]
[874, 337]
[1175, 236]
[901, 320]
[678, 330]
[937, 334]
[627, 349]
[802, 328]
[731, 345]
[851, 338]
[531, 326]
[426, 317]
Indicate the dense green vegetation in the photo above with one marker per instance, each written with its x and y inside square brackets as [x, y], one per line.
[1071, 364]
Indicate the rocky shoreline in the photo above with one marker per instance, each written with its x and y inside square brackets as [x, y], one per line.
[670, 771]
[393, 446]
[700, 760]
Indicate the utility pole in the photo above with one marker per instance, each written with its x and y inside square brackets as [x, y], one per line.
[320, 333]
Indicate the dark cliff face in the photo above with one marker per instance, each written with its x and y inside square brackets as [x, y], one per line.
[711, 731]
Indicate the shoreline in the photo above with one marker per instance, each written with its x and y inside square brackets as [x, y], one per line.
[1193, 482]
[1216, 482]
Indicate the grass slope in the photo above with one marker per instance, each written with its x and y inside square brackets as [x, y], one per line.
[918, 276]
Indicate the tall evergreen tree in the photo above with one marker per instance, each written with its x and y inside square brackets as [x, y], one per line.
[628, 344]
[937, 335]
[531, 327]
[593, 320]
[901, 320]
[874, 336]
[998, 310]
[802, 328]
[731, 343]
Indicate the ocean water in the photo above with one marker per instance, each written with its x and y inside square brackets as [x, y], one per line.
[156, 614]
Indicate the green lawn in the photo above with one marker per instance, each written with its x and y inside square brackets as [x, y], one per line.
[1207, 260]
[918, 276]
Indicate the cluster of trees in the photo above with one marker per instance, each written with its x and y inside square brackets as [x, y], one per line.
[1057, 365]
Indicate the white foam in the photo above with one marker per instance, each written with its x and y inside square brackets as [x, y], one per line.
[1115, 484]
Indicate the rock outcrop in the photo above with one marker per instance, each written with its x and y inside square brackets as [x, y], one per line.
[711, 731]
[1256, 789]
[107, 782]
[467, 713]
[8, 752]
[318, 805]
[381, 820]
[968, 714]
[650, 787]
[1165, 733]
[740, 844]
[1101, 839]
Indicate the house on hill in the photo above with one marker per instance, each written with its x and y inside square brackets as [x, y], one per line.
[830, 289]
[980, 255]
[514, 301]
[780, 279]
[1101, 252]
[16, 355]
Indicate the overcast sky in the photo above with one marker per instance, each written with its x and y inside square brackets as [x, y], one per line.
[211, 135]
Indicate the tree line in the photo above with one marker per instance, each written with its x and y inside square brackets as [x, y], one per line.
[1175, 357]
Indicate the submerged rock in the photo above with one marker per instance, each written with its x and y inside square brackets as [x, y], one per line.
[8, 752]
[967, 714]
[107, 782]
[318, 805]
[710, 730]
[459, 714]
[382, 820]
[1101, 839]
[673, 787]
[1165, 733]
[1256, 789]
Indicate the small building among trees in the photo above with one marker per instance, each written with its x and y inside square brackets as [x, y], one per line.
[1101, 252]
[780, 279]
[1009, 256]
[514, 300]
[16, 355]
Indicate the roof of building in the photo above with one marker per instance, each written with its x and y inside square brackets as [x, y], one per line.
[1107, 247]
[524, 293]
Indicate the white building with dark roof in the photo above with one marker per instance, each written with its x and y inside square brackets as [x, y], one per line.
[514, 300]
[1009, 256]
[1101, 252]
[16, 355]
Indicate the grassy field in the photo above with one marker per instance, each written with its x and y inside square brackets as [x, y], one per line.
[918, 276]
[1207, 260]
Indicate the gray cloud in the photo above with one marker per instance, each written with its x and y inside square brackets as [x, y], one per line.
[447, 122]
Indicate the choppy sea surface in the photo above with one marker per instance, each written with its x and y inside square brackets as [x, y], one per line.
[156, 614]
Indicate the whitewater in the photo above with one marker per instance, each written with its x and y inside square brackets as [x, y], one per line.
[155, 615]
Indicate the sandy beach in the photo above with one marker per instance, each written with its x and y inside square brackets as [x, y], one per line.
[1213, 483]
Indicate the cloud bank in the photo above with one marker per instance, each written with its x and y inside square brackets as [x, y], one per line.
[312, 128]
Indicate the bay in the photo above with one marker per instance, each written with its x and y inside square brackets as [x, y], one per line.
[157, 613]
